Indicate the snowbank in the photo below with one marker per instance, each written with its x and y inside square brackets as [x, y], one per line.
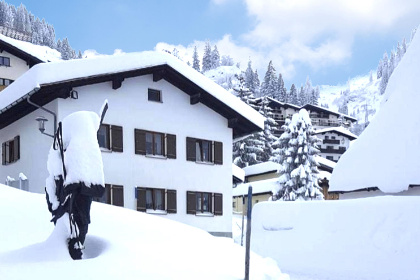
[387, 153]
[371, 238]
[121, 244]
[261, 168]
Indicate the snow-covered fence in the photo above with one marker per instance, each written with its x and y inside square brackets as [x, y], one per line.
[22, 183]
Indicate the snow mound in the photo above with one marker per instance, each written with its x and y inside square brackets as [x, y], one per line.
[387, 152]
[121, 244]
[364, 239]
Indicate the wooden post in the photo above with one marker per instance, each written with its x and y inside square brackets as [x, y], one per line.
[243, 214]
[248, 233]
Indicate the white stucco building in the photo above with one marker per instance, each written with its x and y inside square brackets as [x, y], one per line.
[335, 141]
[166, 138]
[17, 57]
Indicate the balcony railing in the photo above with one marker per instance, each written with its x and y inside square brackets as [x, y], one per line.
[331, 141]
[340, 150]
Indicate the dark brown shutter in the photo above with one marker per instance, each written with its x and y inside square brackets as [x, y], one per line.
[16, 148]
[117, 138]
[191, 203]
[218, 204]
[191, 149]
[139, 142]
[171, 198]
[117, 195]
[171, 144]
[107, 196]
[218, 152]
[3, 153]
[141, 199]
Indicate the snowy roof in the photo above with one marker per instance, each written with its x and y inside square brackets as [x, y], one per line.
[41, 53]
[338, 129]
[261, 168]
[258, 187]
[326, 162]
[78, 72]
[311, 108]
[238, 172]
[387, 153]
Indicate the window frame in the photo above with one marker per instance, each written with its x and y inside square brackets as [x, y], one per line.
[11, 151]
[168, 144]
[152, 93]
[169, 200]
[110, 196]
[195, 151]
[215, 203]
[3, 59]
[154, 144]
[114, 136]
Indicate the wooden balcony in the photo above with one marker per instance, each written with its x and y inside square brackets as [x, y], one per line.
[331, 141]
[340, 150]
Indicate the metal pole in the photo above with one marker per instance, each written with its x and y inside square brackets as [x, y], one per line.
[248, 232]
[243, 217]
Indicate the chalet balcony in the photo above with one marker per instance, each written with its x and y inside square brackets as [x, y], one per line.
[340, 150]
[331, 141]
[320, 122]
[319, 116]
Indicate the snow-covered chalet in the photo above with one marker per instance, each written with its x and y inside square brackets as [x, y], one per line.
[166, 139]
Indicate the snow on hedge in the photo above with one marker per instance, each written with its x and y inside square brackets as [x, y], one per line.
[365, 239]
[121, 244]
[53, 72]
[387, 153]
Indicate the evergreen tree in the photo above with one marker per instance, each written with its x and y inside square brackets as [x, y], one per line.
[269, 86]
[296, 151]
[301, 97]
[215, 58]
[379, 69]
[293, 95]
[207, 60]
[385, 74]
[79, 55]
[257, 84]
[196, 61]
[267, 135]
[247, 151]
[227, 61]
[250, 78]
[281, 89]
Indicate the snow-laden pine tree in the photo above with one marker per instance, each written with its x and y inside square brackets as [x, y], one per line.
[215, 58]
[248, 150]
[295, 151]
[293, 95]
[267, 135]
[385, 74]
[282, 90]
[196, 61]
[207, 60]
[269, 86]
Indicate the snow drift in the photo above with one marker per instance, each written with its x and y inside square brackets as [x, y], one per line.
[121, 244]
[387, 153]
[364, 239]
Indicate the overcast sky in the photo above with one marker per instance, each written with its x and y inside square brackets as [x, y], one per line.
[328, 40]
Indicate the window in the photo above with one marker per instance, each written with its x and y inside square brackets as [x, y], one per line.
[204, 202]
[4, 61]
[5, 82]
[114, 195]
[200, 150]
[326, 137]
[158, 200]
[10, 151]
[155, 143]
[330, 157]
[333, 137]
[154, 95]
[110, 137]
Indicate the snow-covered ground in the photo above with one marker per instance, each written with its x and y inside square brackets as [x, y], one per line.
[121, 244]
[365, 239]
